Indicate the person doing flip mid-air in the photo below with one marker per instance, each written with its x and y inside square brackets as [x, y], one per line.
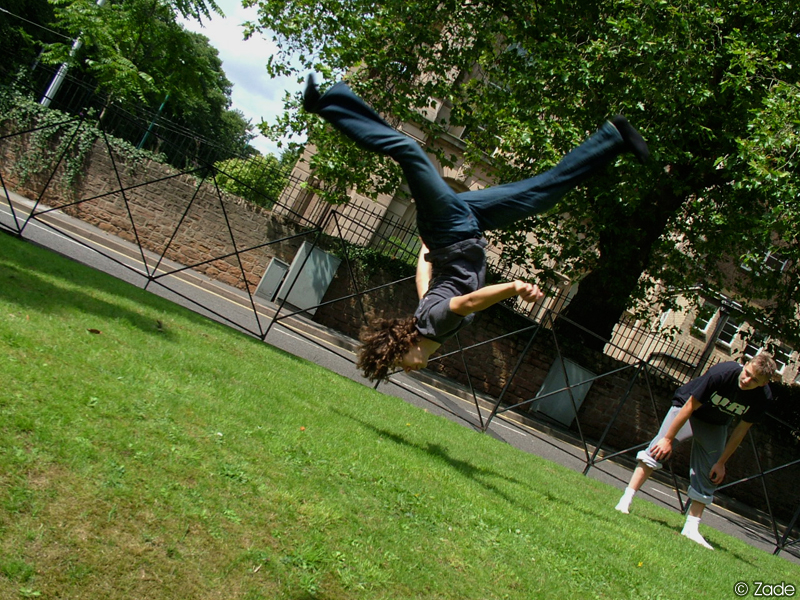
[452, 264]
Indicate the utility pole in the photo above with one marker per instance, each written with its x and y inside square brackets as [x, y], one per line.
[62, 70]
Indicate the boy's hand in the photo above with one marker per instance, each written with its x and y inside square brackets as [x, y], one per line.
[528, 291]
[661, 449]
[717, 473]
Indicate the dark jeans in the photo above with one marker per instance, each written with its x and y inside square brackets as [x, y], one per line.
[443, 216]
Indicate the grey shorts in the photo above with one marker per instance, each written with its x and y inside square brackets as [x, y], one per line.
[708, 443]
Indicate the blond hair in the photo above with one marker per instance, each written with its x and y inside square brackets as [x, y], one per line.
[763, 364]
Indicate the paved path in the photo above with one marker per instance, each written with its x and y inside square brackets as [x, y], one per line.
[304, 338]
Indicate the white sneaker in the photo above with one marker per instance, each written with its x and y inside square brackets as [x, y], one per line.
[696, 537]
[623, 506]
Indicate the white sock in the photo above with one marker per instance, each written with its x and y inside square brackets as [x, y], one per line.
[692, 523]
[624, 504]
[691, 530]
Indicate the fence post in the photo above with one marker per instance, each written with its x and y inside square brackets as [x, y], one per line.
[724, 315]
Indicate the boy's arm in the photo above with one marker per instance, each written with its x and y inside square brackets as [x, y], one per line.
[424, 272]
[492, 294]
[718, 470]
[663, 447]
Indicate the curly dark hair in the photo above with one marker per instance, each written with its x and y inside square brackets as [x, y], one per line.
[383, 343]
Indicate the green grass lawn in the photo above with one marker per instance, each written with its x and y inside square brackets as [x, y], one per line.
[147, 452]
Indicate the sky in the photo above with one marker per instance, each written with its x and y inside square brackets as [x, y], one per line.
[254, 93]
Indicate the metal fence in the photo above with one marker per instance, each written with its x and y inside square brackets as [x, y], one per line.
[198, 157]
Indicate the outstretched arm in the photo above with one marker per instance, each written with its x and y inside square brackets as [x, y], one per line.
[492, 294]
[424, 272]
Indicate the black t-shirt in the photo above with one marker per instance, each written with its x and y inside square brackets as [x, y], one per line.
[722, 399]
[457, 270]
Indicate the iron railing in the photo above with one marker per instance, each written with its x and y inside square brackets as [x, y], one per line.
[197, 157]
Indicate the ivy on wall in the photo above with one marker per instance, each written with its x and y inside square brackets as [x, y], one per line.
[57, 139]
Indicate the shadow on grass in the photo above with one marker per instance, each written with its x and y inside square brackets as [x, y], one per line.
[439, 452]
[719, 546]
[25, 280]
[29, 277]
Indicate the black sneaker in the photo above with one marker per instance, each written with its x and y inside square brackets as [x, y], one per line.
[632, 138]
[310, 95]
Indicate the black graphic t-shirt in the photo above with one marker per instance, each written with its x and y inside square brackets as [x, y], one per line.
[722, 399]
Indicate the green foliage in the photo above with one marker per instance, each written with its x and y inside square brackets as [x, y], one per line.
[769, 161]
[57, 138]
[19, 34]
[138, 54]
[705, 83]
[260, 179]
[369, 261]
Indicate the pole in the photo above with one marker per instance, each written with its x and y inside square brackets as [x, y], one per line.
[152, 122]
[52, 90]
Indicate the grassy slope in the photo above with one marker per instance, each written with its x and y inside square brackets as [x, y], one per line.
[170, 457]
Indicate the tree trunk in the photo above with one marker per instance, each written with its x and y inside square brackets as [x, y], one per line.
[595, 310]
[625, 253]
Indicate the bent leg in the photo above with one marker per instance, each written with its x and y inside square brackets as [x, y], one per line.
[707, 446]
[502, 205]
[684, 434]
[442, 217]
[640, 474]
[647, 464]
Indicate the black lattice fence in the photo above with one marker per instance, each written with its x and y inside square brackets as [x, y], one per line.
[189, 162]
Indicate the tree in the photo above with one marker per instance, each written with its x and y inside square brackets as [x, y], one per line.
[260, 179]
[19, 33]
[138, 54]
[132, 48]
[705, 83]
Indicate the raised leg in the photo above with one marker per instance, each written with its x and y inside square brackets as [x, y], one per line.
[442, 217]
[502, 205]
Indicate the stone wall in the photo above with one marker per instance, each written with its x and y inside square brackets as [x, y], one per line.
[163, 210]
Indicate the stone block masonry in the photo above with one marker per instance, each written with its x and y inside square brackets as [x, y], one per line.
[165, 211]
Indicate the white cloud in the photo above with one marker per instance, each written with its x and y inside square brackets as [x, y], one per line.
[259, 97]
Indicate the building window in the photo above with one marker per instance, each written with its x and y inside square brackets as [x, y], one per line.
[703, 319]
[729, 332]
[754, 344]
[781, 354]
[773, 261]
[479, 135]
